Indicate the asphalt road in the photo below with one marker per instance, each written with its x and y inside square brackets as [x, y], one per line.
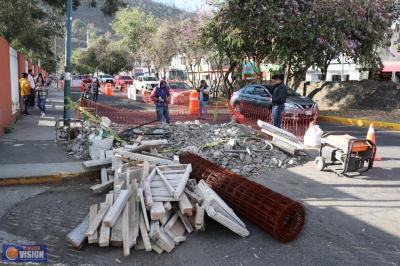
[350, 221]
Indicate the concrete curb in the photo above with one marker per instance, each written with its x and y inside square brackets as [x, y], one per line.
[358, 122]
[52, 179]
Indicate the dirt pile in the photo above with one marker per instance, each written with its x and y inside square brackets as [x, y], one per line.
[368, 94]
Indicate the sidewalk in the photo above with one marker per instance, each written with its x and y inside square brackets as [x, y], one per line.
[30, 154]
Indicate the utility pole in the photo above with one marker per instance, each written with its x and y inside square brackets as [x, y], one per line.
[67, 71]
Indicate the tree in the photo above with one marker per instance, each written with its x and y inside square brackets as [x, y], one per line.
[299, 34]
[103, 56]
[134, 30]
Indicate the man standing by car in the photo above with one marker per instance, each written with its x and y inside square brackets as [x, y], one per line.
[160, 96]
[278, 99]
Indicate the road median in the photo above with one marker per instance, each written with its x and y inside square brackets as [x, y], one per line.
[358, 122]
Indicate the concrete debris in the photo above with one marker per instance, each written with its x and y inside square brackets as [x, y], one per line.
[152, 204]
[234, 146]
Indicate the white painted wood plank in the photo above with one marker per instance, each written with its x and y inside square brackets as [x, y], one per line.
[143, 233]
[143, 207]
[125, 230]
[97, 163]
[93, 238]
[185, 222]
[183, 181]
[185, 206]
[141, 157]
[167, 185]
[77, 236]
[157, 211]
[116, 209]
[104, 239]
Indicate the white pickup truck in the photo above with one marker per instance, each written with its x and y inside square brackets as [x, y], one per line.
[145, 83]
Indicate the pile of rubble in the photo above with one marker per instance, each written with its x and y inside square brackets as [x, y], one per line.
[234, 146]
[152, 203]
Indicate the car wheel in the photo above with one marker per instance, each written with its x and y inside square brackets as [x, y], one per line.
[320, 163]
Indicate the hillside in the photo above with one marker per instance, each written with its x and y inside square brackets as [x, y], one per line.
[102, 23]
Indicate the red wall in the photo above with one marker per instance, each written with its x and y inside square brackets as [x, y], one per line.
[5, 87]
[21, 69]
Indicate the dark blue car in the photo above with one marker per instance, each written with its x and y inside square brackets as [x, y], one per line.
[260, 95]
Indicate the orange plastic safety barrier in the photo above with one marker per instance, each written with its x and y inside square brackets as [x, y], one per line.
[109, 90]
[194, 102]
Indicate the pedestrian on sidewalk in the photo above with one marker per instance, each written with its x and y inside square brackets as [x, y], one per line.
[32, 84]
[204, 93]
[25, 91]
[160, 96]
[95, 88]
[278, 99]
[42, 94]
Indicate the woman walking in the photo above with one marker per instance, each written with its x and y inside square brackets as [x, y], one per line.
[42, 95]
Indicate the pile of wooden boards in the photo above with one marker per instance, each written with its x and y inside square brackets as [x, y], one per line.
[152, 204]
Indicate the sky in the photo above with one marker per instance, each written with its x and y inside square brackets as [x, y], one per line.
[189, 5]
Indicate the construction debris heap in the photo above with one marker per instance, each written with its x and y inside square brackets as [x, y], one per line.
[237, 147]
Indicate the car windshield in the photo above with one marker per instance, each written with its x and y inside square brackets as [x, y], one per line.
[290, 91]
[149, 78]
[179, 85]
[107, 76]
[125, 77]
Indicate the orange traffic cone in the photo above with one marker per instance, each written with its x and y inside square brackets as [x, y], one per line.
[371, 136]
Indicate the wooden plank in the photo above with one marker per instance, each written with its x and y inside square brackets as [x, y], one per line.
[133, 215]
[171, 221]
[145, 172]
[185, 205]
[102, 154]
[165, 242]
[167, 206]
[157, 211]
[116, 233]
[155, 142]
[97, 163]
[167, 185]
[104, 176]
[163, 199]
[95, 223]
[159, 183]
[116, 209]
[109, 154]
[104, 239]
[168, 215]
[148, 194]
[179, 239]
[196, 198]
[156, 248]
[146, 219]
[102, 187]
[154, 230]
[134, 173]
[185, 222]
[116, 164]
[77, 236]
[183, 181]
[199, 221]
[125, 231]
[141, 157]
[174, 166]
[177, 230]
[143, 233]
[93, 238]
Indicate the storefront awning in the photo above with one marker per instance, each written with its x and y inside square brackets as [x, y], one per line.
[391, 67]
